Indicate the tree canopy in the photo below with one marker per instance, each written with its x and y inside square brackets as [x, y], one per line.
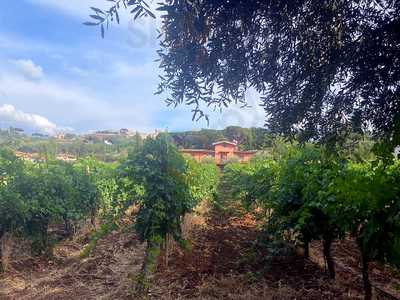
[248, 138]
[319, 66]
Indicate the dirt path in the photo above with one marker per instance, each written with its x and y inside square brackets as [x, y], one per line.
[225, 262]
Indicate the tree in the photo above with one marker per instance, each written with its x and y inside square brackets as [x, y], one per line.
[242, 136]
[247, 138]
[317, 65]
[160, 169]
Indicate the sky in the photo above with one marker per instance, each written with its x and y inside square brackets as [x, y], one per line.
[59, 75]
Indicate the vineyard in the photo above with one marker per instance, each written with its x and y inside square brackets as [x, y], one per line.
[297, 222]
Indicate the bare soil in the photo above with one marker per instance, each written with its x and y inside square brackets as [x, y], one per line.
[224, 261]
[106, 274]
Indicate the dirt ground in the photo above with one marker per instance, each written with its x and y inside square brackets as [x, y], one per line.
[106, 274]
[226, 263]
[223, 262]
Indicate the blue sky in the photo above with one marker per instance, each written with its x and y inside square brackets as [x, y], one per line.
[56, 74]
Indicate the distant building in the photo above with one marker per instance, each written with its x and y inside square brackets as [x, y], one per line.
[66, 158]
[223, 152]
[60, 136]
[36, 157]
[152, 135]
[27, 156]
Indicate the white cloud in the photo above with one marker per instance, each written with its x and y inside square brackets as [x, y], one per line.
[28, 68]
[77, 71]
[106, 86]
[72, 104]
[17, 44]
[79, 8]
[11, 116]
[251, 116]
[126, 71]
[235, 115]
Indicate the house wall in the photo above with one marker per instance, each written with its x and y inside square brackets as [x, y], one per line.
[224, 148]
[244, 157]
[223, 152]
[197, 155]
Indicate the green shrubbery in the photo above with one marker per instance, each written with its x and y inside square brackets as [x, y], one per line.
[35, 195]
[156, 178]
[307, 194]
[172, 187]
[304, 192]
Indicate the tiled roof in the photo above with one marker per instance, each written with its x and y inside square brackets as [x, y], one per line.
[225, 142]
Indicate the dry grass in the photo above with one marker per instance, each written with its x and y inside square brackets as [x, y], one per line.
[223, 262]
[106, 274]
[226, 263]
[196, 218]
[6, 244]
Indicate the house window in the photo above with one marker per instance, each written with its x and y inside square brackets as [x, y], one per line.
[224, 156]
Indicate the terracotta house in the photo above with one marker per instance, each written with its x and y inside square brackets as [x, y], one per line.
[223, 152]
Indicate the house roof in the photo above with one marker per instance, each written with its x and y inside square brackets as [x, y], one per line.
[225, 142]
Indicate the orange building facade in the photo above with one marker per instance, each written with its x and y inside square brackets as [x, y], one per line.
[222, 153]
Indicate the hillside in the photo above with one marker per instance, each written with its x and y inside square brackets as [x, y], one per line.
[247, 138]
[113, 146]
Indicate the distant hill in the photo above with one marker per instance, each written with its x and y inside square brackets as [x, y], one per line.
[113, 147]
[247, 138]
